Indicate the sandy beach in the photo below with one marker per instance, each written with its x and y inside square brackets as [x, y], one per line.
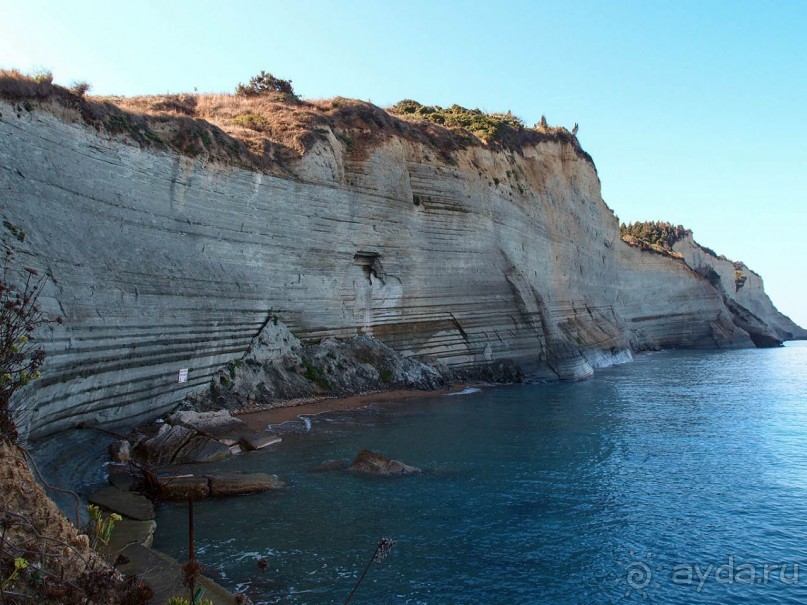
[258, 420]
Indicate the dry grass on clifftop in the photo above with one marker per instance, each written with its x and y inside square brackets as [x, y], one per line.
[266, 131]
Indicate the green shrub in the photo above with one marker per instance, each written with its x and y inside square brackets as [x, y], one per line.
[350, 144]
[265, 83]
[385, 374]
[739, 277]
[15, 230]
[252, 121]
[485, 126]
[657, 233]
[101, 526]
[232, 367]
[315, 374]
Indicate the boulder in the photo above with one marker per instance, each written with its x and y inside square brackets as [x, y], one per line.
[120, 451]
[206, 422]
[162, 448]
[273, 343]
[257, 441]
[180, 487]
[125, 533]
[372, 463]
[121, 478]
[201, 449]
[128, 504]
[236, 484]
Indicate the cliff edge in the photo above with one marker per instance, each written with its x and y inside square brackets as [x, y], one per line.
[167, 255]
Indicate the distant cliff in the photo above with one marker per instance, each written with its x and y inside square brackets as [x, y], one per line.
[161, 259]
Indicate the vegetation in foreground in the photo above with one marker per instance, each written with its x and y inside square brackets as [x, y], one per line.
[43, 558]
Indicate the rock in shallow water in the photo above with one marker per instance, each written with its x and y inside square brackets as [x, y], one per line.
[257, 441]
[120, 451]
[235, 484]
[127, 532]
[162, 448]
[372, 463]
[201, 449]
[206, 422]
[128, 504]
[179, 488]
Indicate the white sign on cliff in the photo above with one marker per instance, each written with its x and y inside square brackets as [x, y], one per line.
[183, 375]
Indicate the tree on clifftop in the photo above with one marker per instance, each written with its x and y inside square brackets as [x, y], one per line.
[265, 83]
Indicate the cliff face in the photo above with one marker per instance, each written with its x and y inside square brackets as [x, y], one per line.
[160, 262]
[742, 288]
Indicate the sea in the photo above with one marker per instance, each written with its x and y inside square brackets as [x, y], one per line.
[678, 478]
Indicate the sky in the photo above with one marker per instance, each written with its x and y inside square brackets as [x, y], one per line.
[695, 112]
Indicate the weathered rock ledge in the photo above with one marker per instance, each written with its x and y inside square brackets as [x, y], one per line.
[501, 260]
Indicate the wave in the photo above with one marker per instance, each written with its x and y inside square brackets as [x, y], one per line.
[466, 391]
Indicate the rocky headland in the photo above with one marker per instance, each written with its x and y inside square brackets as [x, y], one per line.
[272, 250]
[218, 253]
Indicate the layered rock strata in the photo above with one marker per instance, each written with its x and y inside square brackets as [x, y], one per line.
[160, 262]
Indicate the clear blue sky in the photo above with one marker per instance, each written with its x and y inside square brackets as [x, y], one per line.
[694, 111]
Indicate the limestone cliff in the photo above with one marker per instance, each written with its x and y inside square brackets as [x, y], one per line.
[160, 261]
[743, 292]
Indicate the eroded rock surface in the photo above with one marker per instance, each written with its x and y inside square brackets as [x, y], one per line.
[127, 503]
[215, 423]
[237, 484]
[165, 266]
[372, 463]
[200, 449]
[163, 447]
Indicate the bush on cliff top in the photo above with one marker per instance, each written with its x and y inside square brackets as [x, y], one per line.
[265, 83]
[222, 127]
[489, 127]
[654, 236]
[655, 232]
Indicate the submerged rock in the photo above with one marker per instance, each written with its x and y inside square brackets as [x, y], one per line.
[201, 449]
[372, 463]
[206, 422]
[121, 477]
[128, 504]
[257, 441]
[179, 488]
[162, 448]
[178, 444]
[126, 532]
[235, 484]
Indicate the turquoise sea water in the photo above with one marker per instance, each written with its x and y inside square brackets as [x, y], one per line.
[679, 478]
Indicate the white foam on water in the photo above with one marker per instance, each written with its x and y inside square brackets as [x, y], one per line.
[466, 391]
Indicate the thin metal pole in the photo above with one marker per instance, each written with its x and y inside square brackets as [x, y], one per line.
[364, 573]
[190, 527]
